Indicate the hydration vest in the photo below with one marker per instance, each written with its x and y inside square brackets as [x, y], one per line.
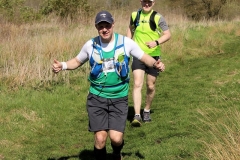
[118, 63]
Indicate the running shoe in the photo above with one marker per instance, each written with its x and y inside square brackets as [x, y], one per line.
[146, 117]
[136, 121]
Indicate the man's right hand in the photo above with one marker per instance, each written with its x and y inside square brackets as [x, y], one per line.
[159, 65]
[57, 66]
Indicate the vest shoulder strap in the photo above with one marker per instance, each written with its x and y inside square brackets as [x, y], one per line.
[96, 43]
[120, 41]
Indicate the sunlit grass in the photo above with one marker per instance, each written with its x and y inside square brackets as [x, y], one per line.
[195, 112]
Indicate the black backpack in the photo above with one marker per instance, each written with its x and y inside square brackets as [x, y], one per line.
[152, 23]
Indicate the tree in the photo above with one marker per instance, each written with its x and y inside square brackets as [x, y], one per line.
[203, 9]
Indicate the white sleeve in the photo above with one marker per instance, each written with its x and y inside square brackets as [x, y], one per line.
[85, 52]
[132, 48]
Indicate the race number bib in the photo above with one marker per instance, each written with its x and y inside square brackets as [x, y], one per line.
[108, 65]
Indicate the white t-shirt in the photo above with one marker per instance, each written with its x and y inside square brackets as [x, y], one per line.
[131, 48]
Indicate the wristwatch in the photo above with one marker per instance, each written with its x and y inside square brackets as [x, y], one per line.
[157, 42]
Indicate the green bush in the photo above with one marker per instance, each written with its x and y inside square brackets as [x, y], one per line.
[10, 9]
[66, 8]
[16, 11]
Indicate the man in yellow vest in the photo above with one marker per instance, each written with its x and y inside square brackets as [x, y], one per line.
[149, 38]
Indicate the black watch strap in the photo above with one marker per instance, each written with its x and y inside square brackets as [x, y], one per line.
[157, 42]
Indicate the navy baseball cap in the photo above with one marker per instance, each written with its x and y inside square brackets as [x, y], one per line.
[104, 16]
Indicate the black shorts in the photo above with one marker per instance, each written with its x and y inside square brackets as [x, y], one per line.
[107, 113]
[137, 64]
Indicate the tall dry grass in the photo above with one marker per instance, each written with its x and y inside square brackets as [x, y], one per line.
[27, 50]
[222, 133]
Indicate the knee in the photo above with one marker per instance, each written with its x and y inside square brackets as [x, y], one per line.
[116, 140]
[100, 139]
[138, 84]
[151, 88]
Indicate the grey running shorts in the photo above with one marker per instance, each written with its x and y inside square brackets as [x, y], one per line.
[137, 64]
[107, 113]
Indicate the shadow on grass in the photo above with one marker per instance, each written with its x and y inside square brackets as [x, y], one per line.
[89, 155]
[131, 113]
[83, 155]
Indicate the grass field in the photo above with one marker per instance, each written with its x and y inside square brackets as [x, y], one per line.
[195, 112]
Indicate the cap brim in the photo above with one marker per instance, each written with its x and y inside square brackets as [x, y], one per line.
[104, 20]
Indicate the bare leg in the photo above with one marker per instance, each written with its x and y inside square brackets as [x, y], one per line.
[100, 145]
[116, 137]
[151, 80]
[100, 139]
[149, 97]
[116, 143]
[138, 76]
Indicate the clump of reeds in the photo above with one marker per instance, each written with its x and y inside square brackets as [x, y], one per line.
[220, 133]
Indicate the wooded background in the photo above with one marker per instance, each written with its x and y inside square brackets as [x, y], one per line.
[22, 11]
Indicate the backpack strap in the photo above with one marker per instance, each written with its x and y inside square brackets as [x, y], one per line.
[136, 20]
[152, 23]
